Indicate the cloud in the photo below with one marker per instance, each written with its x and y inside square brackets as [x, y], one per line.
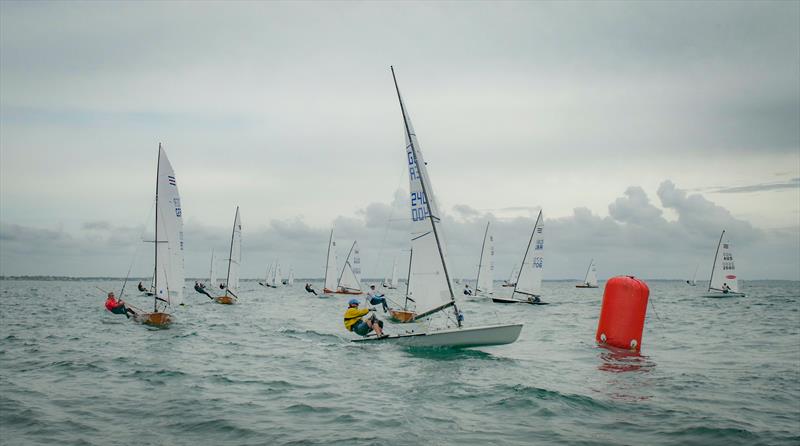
[635, 238]
[794, 183]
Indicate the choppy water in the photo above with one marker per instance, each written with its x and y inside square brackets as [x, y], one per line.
[279, 369]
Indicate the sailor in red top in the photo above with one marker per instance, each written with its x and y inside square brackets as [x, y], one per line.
[117, 306]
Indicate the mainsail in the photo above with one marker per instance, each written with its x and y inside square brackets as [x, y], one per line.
[330, 265]
[724, 270]
[168, 274]
[529, 280]
[350, 279]
[485, 281]
[290, 279]
[393, 283]
[430, 285]
[235, 257]
[212, 273]
[275, 280]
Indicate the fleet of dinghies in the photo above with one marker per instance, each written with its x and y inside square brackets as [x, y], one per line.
[428, 309]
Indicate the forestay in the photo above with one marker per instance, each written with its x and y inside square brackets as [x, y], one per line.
[529, 281]
[350, 278]
[168, 274]
[724, 271]
[485, 280]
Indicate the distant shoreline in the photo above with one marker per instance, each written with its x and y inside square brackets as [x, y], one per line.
[300, 279]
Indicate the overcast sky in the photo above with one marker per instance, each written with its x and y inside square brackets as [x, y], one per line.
[642, 130]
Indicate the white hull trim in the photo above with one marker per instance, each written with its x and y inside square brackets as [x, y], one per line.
[455, 337]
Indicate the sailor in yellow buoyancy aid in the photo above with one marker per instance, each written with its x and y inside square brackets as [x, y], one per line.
[353, 320]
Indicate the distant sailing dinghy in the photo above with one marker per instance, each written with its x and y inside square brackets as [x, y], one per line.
[512, 278]
[168, 274]
[212, 274]
[329, 285]
[405, 314]
[267, 275]
[234, 264]
[350, 279]
[430, 286]
[528, 289]
[723, 282]
[590, 280]
[484, 283]
[274, 280]
[392, 283]
[693, 282]
[289, 281]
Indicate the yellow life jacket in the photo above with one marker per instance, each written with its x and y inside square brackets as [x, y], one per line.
[352, 316]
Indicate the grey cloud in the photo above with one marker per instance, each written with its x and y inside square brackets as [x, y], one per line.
[634, 208]
[794, 183]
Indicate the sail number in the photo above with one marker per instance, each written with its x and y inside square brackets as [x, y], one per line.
[539, 245]
[538, 262]
[412, 166]
[419, 208]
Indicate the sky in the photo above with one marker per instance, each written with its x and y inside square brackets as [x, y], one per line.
[642, 129]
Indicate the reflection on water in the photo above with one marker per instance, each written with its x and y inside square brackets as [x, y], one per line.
[618, 361]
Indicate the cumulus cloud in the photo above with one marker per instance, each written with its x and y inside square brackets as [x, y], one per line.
[635, 238]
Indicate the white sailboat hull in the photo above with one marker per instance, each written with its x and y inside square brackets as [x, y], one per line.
[455, 337]
[508, 300]
[720, 294]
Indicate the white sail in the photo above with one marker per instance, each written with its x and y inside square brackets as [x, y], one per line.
[513, 276]
[591, 274]
[290, 279]
[529, 280]
[275, 280]
[330, 265]
[693, 282]
[430, 285]
[395, 280]
[724, 270]
[350, 278]
[268, 274]
[485, 281]
[212, 273]
[168, 277]
[235, 257]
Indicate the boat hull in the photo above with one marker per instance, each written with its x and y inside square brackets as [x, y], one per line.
[586, 286]
[721, 295]
[401, 316]
[355, 293]
[454, 337]
[225, 300]
[503, 300]
[160, 320]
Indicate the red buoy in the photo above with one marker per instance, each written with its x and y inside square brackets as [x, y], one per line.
[623, 312]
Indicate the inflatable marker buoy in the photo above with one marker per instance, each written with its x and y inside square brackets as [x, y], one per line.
[622, 314]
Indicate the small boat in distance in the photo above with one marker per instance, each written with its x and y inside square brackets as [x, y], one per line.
[231, 286]
[404, 314]
[590, 280]
[350, 279]
[267, 275]
[329, 284]
[723, 281]
[693, 282]
[392, 283]
[511, 282]
[289, 281]
[484, 283]
[529, 280]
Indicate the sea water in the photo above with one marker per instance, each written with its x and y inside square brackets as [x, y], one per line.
[279, 368]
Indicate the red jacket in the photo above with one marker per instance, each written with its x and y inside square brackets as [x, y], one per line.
[112, 303]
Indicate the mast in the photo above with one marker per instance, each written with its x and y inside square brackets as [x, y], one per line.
[230, 252]
[525, 257]
[408, 278]
[346, 264]
[155, 251]
[714, 265]
[428, 199]
[586, 277]
[211, 269]
[328, 258]
[480, 260]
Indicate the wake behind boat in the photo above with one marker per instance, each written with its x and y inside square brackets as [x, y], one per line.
[430, 285]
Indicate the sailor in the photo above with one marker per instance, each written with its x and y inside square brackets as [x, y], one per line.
[201, 289]
[222, 286]
[117, 306]
[353, 320]
[374, 298]
[467, 290]
[310, 289]
[142, 288]
[725, 288]
[534, 299]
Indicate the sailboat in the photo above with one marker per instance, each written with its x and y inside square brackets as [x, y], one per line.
[405, 314]
[693, 282]
[350, 279]
[234, 263]
[168, 274]
[289, 281]
[267, 275]
[510, 282]
[723, 281]
[274, 280]
[329, 285]
[529, 280]
[392, 283]
[484, 283]
[212, 273]
[590, 280]
[430, 285]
